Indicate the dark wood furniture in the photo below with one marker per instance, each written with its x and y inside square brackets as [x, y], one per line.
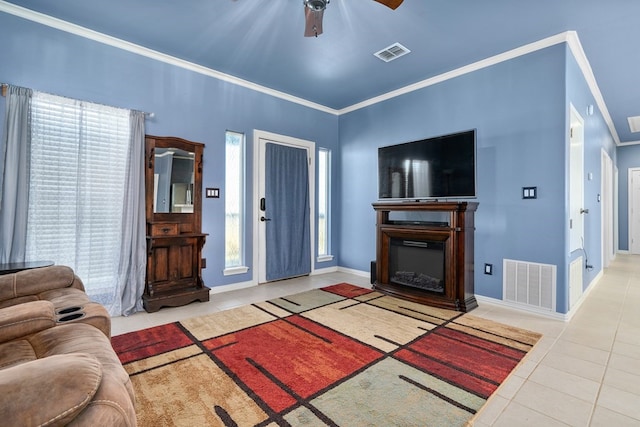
[174, 223]
[448, 226]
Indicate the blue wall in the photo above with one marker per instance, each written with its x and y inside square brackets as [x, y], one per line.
[518, 109]
[186, 104]
[628, 157]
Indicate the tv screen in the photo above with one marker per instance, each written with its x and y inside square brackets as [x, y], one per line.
[433, 168]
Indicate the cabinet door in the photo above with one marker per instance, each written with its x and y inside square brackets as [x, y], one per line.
[173, 263]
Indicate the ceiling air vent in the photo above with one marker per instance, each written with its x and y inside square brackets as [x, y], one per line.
[392, 52]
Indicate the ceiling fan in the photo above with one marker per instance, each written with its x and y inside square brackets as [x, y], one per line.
[314, 11]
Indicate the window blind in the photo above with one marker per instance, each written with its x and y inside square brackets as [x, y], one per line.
[78, 168]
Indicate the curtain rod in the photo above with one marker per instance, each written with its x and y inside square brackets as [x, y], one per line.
[5, 86]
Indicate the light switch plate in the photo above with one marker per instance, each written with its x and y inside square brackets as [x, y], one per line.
[529, 192]
[212, 193]
[488, 269]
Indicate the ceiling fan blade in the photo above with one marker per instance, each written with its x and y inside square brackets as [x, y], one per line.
[313, 22]
[393, 4]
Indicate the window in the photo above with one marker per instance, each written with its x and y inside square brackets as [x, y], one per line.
[234, 203]
[79, 154]
[324, 198]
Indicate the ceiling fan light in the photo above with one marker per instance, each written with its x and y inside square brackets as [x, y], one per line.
[316, 5]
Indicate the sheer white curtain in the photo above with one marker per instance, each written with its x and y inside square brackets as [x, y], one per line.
[79, 186]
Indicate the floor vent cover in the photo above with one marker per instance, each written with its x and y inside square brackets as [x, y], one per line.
[529, 283]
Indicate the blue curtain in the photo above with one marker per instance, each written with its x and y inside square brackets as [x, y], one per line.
[287, 206]
[14, 175]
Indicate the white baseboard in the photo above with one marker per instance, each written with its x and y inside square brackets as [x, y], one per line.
[565, 317]
[354, 272]
[231, 287]
[324, 270]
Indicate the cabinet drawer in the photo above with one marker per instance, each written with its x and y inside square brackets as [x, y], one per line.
[164, 229]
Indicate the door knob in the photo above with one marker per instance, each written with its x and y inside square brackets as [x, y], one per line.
[263, 219]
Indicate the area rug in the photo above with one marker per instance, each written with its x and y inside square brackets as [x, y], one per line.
[342, 355]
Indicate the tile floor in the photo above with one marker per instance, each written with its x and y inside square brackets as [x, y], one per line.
[585, 372]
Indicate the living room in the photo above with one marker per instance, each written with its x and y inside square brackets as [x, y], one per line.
[519, 104]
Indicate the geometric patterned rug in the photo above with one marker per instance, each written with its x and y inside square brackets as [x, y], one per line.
[337, 356]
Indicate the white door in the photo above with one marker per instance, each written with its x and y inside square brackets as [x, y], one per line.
[606, 200]
[634, 211]
[576, 181]
[260, 141]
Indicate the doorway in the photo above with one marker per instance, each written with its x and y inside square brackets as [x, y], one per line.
[284, 244]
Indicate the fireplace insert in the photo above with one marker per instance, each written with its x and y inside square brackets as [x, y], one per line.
[417, 264]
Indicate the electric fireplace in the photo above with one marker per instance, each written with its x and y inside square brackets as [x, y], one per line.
[429, 260]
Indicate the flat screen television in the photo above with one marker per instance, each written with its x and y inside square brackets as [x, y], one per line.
[442, 167]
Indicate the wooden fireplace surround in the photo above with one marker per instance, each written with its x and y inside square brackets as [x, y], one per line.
[457, 235]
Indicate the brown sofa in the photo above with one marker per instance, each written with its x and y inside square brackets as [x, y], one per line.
[59, 285]
[57, 374]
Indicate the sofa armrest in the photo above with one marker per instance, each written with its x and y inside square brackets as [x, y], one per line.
[25, 319]
[50, 391]
[32, 282]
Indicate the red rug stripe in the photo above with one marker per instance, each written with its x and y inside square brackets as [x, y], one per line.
[300, 362]
[149, 342]
[487, 364]
[511, 352]
[460, 379]
[346, 290]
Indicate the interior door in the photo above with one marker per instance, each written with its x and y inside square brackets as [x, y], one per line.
[576, 181]
[285, 206]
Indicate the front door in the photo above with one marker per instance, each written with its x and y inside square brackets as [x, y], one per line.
[285, 206]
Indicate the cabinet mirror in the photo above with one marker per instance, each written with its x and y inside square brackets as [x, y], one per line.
[173, 180]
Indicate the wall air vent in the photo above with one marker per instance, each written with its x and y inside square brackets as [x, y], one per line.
[392, 52]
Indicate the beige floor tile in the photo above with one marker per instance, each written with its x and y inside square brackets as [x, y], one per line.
[573, 365]
[491, 411]
[624, 363]
[626, 349]
[565, 382]
[560, 406]
[522, 416]
[510, 387]
[581, 352]
[603, 417]
[622, 380]
[620, 401]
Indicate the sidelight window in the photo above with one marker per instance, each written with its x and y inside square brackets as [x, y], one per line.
[234, 203]
[324, 199]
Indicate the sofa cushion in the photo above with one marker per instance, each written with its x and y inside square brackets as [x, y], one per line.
[24, 319]
[48, 392]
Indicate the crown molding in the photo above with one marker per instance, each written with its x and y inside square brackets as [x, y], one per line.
[569, 37]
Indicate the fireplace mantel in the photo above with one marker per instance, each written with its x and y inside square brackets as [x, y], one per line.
[448, 224]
